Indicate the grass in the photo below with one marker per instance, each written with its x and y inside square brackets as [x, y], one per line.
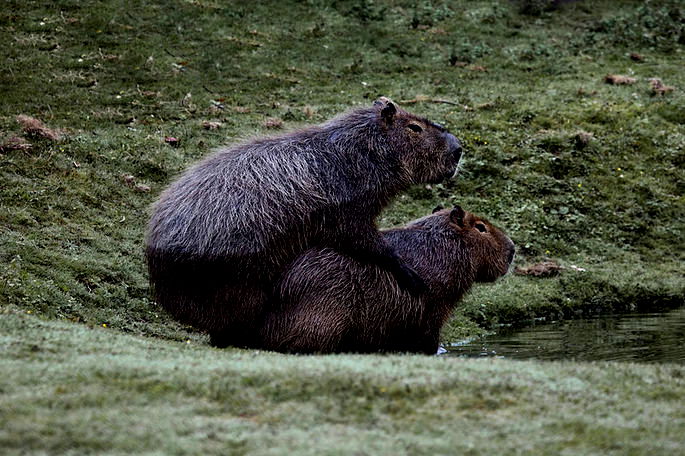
[74, 389]
[575, 170]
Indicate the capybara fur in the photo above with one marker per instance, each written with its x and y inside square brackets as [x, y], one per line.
[329, 302]
[221, 235]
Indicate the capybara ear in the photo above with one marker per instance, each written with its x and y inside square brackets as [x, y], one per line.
[457, 216]
[437, 208]
[388, 108]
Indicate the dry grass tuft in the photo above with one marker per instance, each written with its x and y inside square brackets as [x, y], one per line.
[15, 143]
[36, 128]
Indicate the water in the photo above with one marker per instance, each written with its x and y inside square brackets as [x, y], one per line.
[645, 337]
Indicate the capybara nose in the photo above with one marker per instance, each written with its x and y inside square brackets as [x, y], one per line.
[453, 145]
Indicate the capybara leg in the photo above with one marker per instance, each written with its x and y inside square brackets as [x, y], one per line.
[309, 328]
[419, 343]
[407, 278]
[219, 340]
[234, 336]
[236, 316]
[377, 252]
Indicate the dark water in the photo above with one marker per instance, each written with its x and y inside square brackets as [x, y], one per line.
[644, 337]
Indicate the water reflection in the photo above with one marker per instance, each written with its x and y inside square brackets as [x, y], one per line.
[644, 337]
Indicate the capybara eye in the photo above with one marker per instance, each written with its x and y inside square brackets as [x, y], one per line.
[415, 128]
[481, 227]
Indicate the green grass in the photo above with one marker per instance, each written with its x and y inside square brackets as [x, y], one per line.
[73, 389]
[118, 77]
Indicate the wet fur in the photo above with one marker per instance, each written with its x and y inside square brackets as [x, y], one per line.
[331, 303]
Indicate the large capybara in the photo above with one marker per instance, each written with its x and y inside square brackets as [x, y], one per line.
[329, 302]
[220, 235]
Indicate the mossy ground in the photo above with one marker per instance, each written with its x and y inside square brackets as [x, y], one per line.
[574, 169]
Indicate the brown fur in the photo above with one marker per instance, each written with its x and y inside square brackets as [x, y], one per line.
[221, 235]
[331, 303]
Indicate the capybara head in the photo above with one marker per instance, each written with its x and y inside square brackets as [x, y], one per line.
[428, 152]
[488, 250]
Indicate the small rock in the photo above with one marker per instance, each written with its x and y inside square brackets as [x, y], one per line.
[658, 87]
[583, 138]
[617, 79]
[128, 179]
[543, 269]
[211, 125]
[173, 142]
[273, 123]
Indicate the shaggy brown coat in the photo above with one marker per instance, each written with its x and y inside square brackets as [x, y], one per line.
[221, 235]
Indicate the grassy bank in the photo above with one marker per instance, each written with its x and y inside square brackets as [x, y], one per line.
[576, 170]
[72, 389]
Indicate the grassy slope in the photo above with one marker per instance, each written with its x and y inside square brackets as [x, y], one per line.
[120, 79]
[121, 76]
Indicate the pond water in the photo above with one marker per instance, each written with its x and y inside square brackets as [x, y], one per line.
[645, 337]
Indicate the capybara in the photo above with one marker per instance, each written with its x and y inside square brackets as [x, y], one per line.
[221, 235]
[329, 302]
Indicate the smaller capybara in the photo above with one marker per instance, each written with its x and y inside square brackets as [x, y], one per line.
[330, 302]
